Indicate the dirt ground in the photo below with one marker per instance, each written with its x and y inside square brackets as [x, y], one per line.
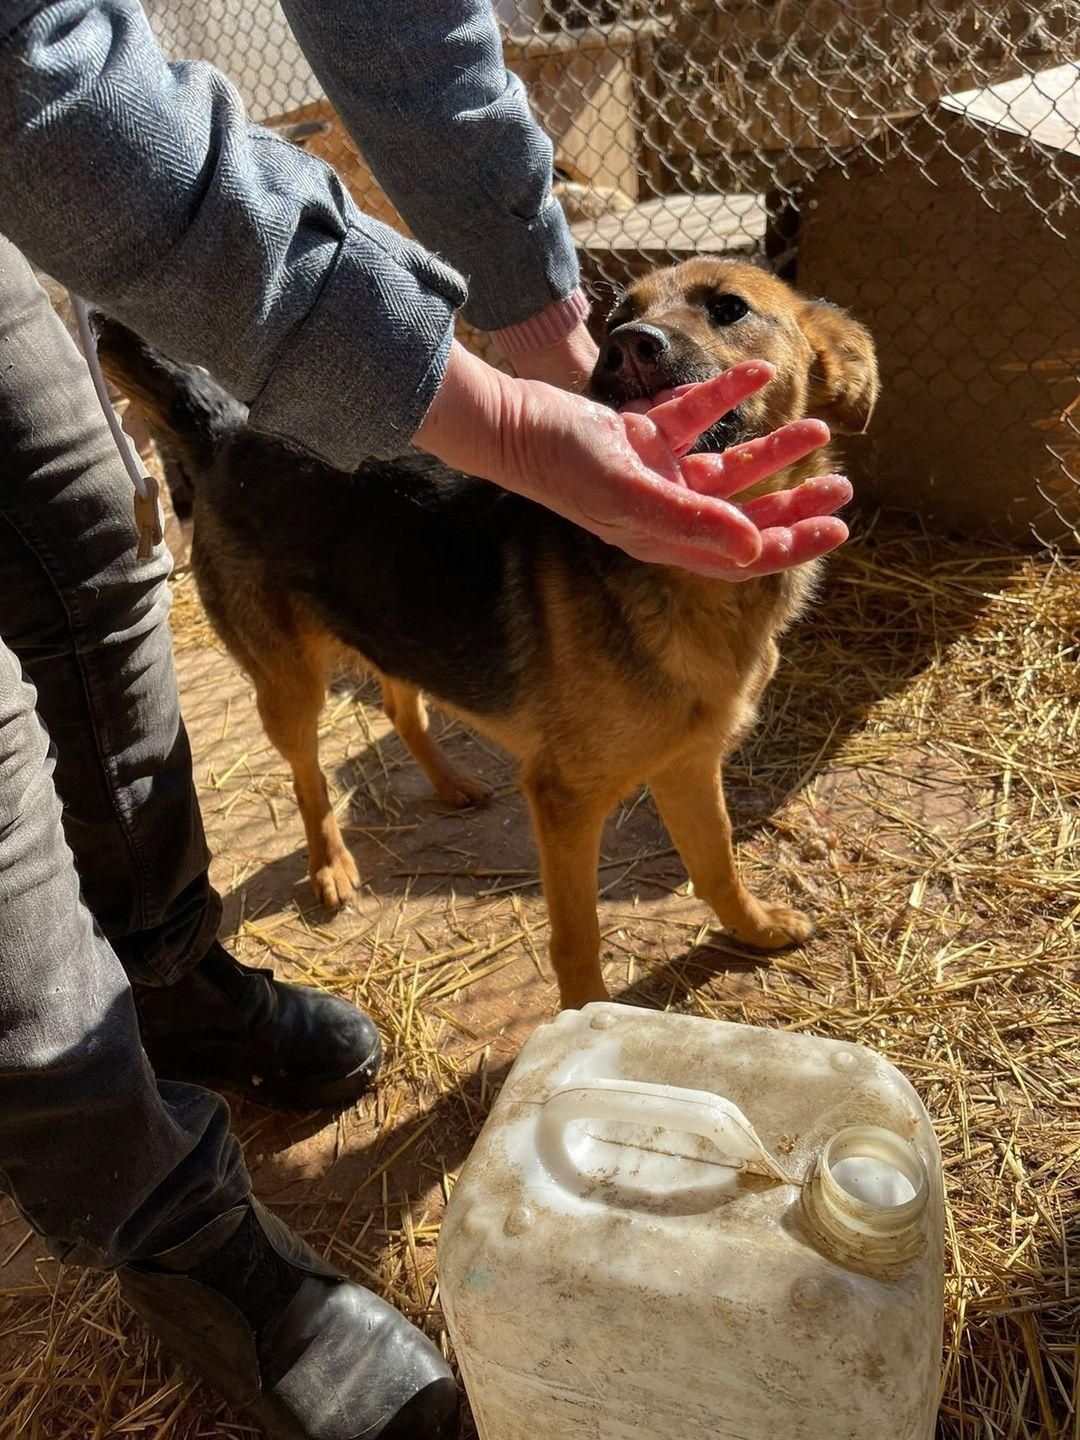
[897, 786]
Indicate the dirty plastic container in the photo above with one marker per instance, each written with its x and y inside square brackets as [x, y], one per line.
[678, 1229]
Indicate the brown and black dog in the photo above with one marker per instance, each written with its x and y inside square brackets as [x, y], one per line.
[597, 671]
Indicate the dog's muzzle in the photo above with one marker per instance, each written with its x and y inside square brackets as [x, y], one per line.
[638, 360]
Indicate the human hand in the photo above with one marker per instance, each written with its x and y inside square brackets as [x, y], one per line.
[568, 363]
[628, 478]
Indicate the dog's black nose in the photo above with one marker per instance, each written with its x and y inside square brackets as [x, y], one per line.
[633, 342]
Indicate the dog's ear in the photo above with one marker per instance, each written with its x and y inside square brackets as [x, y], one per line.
[843, 373]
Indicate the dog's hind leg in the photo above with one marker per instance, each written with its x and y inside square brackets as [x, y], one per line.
[690, 796]
[289, 704]
[408, 714]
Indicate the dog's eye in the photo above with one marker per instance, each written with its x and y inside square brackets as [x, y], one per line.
[726, 309]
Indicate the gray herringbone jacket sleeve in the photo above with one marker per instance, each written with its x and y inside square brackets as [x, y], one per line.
[424, 91]
[141, 185]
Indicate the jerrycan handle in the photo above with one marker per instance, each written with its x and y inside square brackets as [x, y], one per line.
[668, 1107]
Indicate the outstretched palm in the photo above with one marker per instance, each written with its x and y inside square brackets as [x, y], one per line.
[628, 477]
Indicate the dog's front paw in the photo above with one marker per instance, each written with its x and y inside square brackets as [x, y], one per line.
[335, 880]
[774, 927]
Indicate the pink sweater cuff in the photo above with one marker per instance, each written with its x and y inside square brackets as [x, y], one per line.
[544, 329]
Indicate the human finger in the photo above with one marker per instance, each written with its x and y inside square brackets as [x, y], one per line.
[785, 546]
[665, 516]
[682, 419]
[820, 496]
[744, 465]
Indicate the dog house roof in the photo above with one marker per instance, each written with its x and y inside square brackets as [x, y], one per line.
[1044, 107]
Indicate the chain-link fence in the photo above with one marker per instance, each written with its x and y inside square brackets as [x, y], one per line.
[917, 161]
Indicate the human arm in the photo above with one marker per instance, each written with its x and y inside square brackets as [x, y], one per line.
[142, 186]
[447, 131]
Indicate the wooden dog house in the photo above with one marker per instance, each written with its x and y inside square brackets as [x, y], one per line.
[958, 244]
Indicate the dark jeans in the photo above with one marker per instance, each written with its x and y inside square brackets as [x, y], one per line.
[103, 863]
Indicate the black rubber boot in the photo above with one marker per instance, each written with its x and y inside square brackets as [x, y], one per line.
[249, 1308]
[231, 1027]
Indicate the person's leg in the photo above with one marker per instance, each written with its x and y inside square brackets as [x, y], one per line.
[89, 625]
[118, 1170]
[97, 1158]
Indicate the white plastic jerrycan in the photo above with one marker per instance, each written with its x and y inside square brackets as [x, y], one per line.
[678, 1229]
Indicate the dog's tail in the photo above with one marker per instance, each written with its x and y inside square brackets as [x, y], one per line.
[189, 414]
